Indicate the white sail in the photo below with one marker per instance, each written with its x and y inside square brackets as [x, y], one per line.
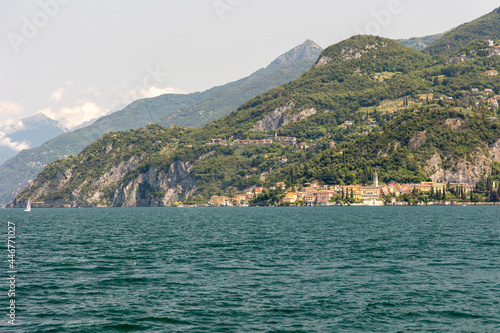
[28, 207]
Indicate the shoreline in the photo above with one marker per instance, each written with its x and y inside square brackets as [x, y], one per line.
[448, 204]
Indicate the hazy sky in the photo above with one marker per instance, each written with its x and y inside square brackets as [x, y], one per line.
[76, 59]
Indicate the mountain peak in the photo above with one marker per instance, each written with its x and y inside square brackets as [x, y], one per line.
[310, 43]
[357, 47]
[39, 120]
[305, 51]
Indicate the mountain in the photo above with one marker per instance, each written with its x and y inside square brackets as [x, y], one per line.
[382, 105]
[452, 42]
[420, 43]
[359, 72]
[32, 131]
[168, 110]
[38, 129]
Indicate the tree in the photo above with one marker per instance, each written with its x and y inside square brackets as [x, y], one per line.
[494, 197]
[199, 200]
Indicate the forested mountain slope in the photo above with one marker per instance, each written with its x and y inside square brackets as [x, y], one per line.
[382, 105]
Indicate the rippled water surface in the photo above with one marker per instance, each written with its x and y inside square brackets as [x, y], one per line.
[256, 269]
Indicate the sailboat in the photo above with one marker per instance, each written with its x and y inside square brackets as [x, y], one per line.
[28, 207]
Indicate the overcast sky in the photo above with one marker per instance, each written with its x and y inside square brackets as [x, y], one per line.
[77, 59]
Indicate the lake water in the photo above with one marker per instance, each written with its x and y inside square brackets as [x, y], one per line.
[332, 269]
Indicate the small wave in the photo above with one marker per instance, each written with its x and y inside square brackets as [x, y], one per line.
[454, 314]
[286, 311]
[126, 327]
[448, 264]
[165, 320]
[130, 279]
[371, 249]
[381, 303]
[487, 243]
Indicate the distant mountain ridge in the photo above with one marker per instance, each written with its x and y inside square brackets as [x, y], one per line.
[189, 110]
[36, 130]
[420, 43]
[292, 64]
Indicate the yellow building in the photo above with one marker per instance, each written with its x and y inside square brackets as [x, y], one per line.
[241, 198]
[441, 187]
[353, 191]
[370, 191]
[290, 198]
[219, 201]
[425, 187]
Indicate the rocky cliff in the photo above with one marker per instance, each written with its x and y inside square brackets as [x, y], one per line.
[113, 172]
[156, 188]
[153, 188]
[282, 116]
[464, 170]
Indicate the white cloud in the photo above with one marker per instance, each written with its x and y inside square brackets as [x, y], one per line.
[16, 146]
[154, 92]
[92, 91]
[9, 109]
[57, 95]
[11, 126]
[72, 117]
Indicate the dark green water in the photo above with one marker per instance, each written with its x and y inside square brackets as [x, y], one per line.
[331, 269]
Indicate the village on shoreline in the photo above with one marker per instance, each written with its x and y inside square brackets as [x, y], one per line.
[391, 194]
